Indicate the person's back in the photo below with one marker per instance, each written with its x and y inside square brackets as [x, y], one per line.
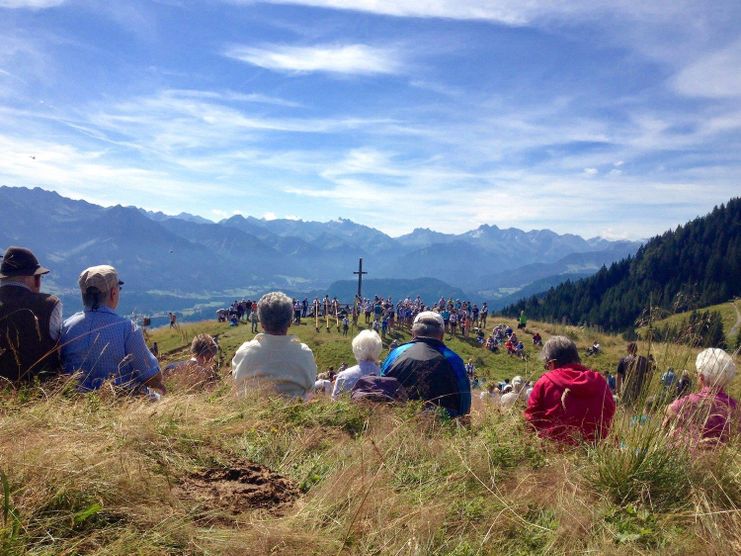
[273, 360]
[102, 345]
[569, 403]
[632, 372]
[26, 347]
[710, 416]
[30, 321]
[429, 370]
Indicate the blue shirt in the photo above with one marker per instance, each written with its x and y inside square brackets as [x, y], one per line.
[101, 345]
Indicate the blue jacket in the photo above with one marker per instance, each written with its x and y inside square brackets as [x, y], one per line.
[430, 371]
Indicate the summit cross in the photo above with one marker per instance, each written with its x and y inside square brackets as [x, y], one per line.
[360, 277]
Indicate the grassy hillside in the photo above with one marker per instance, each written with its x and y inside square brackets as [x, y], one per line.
[730, 313]
[201, 472]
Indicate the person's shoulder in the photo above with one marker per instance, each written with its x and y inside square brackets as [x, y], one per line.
[249, 345]
[48, 298]
[71, 321]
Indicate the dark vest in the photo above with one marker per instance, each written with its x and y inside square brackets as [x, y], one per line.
[26, 349]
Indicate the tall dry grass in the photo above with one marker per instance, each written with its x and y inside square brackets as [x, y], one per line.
[99, 474]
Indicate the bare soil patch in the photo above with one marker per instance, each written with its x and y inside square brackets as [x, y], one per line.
[243, 487]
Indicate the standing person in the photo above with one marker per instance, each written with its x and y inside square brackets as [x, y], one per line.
[522, 321]
[345, 325]
[253, 321]
[173, 320]
[366, 347]
[470, 370]
[273, 359]
[569, 403]
[30, 321]
[632, 371]
[101, 345]
[483, 314]
[428, 369]
[709, 416]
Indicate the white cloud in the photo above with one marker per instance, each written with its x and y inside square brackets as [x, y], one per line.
[269, 216]
[591, 171]
[715, 75]
[508, 12]
[352, 59]
[30, 4]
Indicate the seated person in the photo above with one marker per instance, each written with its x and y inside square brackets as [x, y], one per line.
[710, 416]
[537, 339]
[323, 383]
[199, 369]
[515, 393]
[569, 403]
[510, 347]
[428, 369]
[594, 349]
[491, 395]
[366, 347]
[520, 350]
[30, 321]
[273, 359]
[102, 345]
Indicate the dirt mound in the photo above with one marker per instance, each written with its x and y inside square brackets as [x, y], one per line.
[245, 486]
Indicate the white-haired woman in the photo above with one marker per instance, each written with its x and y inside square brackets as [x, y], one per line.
[366, 347]
[710, 415]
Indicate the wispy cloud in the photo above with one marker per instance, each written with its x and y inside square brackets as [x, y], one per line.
[715, 75]
[508, 12]
[350, 59]
[30, 4]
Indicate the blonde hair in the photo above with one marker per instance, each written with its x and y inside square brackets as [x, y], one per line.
[203, 345]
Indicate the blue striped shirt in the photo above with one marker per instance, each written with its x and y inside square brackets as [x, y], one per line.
[102, 345]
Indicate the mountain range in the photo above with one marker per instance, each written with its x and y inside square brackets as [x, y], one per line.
[165, 258]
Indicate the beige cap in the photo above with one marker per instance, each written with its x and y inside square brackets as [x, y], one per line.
[102, 277]
[427, 316]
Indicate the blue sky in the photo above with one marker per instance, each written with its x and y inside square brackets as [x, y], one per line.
[612, 118]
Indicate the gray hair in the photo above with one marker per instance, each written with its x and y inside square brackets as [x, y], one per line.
[275, 311]
[367, 346]
[93, 298]
[560, 349]
[716, 367]
[428, 324]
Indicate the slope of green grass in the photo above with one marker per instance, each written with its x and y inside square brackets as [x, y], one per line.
[727, 311]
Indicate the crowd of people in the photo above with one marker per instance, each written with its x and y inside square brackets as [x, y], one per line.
[569, 403]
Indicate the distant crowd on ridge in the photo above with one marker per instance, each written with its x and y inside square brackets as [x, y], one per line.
[569, 403]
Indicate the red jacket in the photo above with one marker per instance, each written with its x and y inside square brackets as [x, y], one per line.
[571, 404]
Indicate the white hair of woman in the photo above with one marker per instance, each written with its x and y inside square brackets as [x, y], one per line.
[366, 347]
[716, 367]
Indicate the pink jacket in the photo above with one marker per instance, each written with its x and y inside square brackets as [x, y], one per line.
[706, 416]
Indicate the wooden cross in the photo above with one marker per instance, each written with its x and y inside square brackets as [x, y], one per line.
[360, 278]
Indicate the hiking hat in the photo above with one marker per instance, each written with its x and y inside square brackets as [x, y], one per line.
[19, 261]
[102, 277]
[429, 317]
